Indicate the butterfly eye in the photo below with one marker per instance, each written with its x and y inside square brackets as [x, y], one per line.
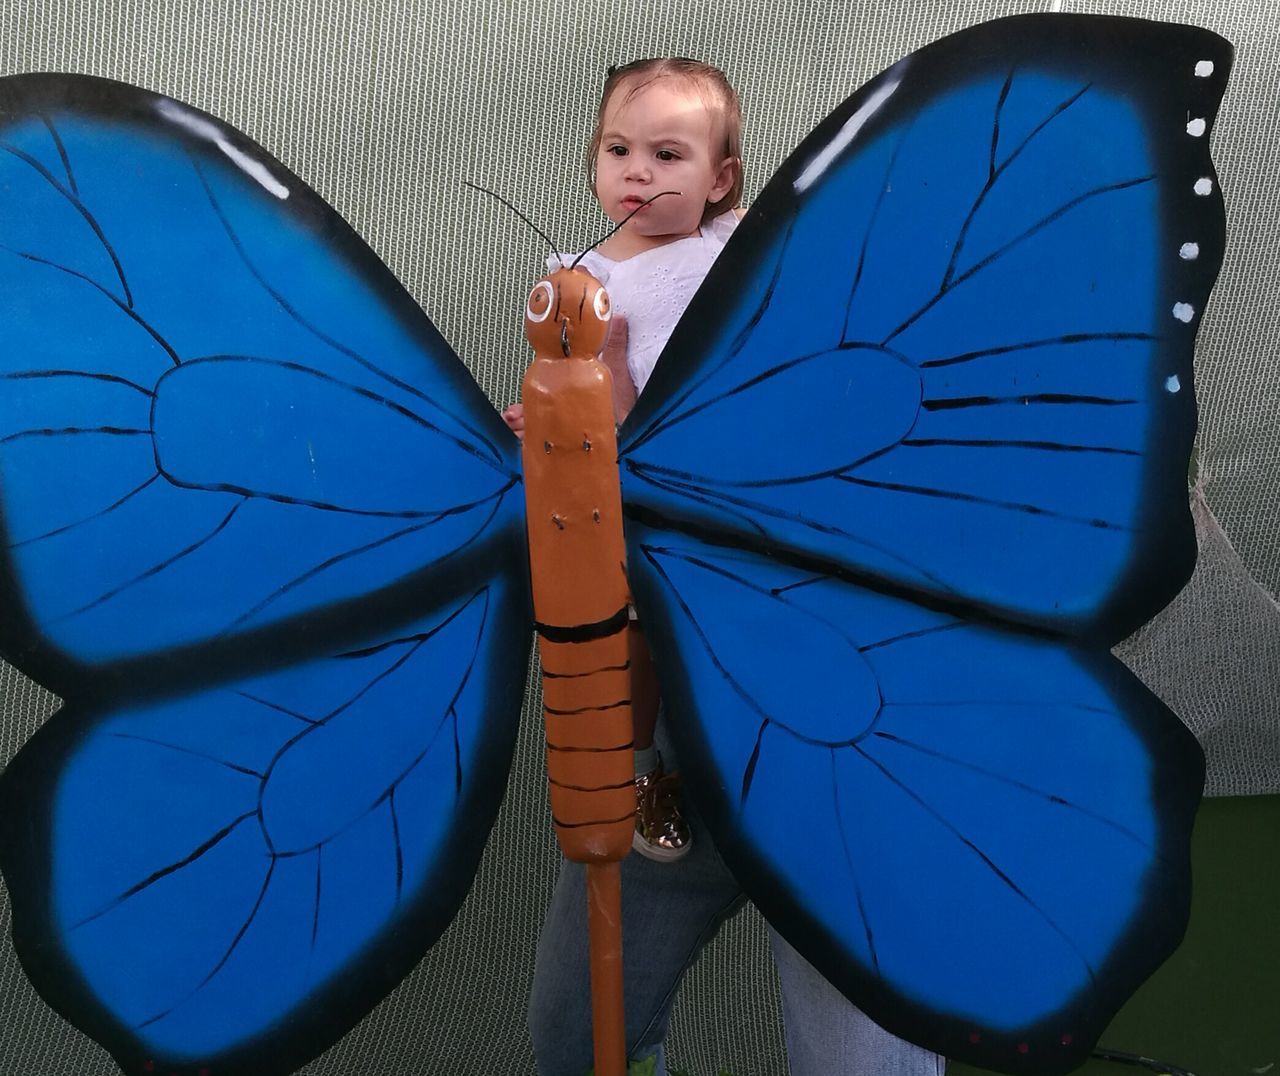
[540, 301]
[601, 304]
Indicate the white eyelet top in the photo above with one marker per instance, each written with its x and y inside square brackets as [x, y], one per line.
[652, 289]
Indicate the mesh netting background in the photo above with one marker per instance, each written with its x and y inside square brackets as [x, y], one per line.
[385, 107]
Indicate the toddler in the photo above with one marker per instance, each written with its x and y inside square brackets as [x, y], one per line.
[672, 127]
[670, 130]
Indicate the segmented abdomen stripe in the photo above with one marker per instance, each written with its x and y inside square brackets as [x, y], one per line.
[582, 633]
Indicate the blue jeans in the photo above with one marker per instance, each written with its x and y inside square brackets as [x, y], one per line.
[669, 912]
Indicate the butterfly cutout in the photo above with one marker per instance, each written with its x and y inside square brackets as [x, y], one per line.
[923, 431]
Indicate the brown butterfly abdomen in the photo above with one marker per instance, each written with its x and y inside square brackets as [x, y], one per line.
[573, 507]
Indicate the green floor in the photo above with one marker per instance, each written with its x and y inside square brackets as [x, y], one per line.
[1214, 1007]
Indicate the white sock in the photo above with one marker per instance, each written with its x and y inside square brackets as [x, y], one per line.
[646, 760]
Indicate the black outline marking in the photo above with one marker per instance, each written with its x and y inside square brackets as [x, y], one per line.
[1052, 341]
[73, 431]
[713, 499]
[586, 709]
[990, 502]
[62, 153]
[315, 916]
[395, 835]
[1053, 399]
[853, 873]
[933, 629]
[626, 665]
[154, 569]
[986, 859]
[584, 633]
[752, 705]
[749, 771]
[1046, 446]
[342, 349]
[594, 822]
[629, 745]
[115, 379]
[885, 186]
[301, 580]
[630, 783]
[86, 519]
[233, 766]
[1022, 786]
[277, 708]
[994, 172]
[165, 871]
[457, 745]
[74, 201]
[244, 929]
[119, 303]
[1000, 252]
[357, 390]
[777, 370]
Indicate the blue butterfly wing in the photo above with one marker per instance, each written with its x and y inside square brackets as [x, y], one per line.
[979, 835]
[965, 308]
[263, 532]
[221, 410]
[228, 880]
[925, 430]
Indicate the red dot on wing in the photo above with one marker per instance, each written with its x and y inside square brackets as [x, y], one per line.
[1023, 1048]
[1067, 1038]
[975, 1036]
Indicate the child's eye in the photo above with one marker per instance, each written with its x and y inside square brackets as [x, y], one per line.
[668, 155]
[617, 151]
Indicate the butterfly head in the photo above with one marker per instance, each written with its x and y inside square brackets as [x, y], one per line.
[567, 315]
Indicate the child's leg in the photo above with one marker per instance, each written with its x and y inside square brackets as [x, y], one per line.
[644, 698]
[828, 1036]
[662, 832]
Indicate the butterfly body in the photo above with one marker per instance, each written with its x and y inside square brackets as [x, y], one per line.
[580, 594]
[273, 542]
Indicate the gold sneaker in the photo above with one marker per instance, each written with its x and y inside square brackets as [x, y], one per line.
[662, 833]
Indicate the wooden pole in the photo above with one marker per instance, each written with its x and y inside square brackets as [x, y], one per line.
[604, 924]
[573, 508]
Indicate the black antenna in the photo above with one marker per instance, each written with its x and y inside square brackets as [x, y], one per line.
[617, 226]
[541, 234]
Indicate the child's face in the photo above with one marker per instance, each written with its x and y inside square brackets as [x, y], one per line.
[662, 138]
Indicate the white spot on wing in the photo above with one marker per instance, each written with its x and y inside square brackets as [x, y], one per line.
[1204, 185]
[210, 132]
[1189, 252]
[1184, 311]
[1204, 68]
[1172, 384]
[827, 155]
[1195, 128]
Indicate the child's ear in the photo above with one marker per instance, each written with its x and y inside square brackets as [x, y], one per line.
[725, 176]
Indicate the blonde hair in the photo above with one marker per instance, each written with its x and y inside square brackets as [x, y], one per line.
[710, 82]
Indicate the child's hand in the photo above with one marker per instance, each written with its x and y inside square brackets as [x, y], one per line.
[614, 356]
[513, 416]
